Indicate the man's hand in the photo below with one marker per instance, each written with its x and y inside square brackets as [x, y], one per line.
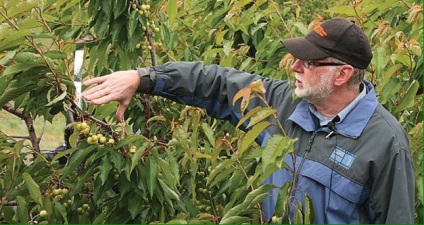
[118, 86]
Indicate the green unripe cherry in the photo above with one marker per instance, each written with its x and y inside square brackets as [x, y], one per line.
[43, 213]
[86, 130]
[84, 125]
[85, 206]
[94, 138]
[57, 191]
[102, 140]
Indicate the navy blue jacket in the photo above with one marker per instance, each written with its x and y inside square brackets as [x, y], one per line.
[361, 174]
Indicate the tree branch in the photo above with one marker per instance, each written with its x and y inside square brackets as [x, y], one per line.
[29, 121]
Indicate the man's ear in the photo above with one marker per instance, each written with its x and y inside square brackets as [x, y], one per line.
[344, 75]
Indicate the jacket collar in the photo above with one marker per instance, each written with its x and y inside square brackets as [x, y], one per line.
[351, 126]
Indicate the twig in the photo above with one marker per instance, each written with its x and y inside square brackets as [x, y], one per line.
[29, 121]
[21, 137]
[282, 20]
[8, 203]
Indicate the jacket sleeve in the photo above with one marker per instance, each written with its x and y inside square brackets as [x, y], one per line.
[210, 87]
[393, 202]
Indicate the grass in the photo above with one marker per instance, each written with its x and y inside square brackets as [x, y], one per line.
[52, 137]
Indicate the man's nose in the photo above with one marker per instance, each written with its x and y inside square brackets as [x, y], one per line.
[297, 66]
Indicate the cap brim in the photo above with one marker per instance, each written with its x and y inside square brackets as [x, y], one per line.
[303, 49]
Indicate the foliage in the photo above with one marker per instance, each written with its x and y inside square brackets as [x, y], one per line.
[170, 163]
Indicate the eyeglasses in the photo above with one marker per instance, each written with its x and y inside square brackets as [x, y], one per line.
[307, 64]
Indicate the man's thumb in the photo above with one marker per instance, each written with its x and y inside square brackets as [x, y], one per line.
[120, 112]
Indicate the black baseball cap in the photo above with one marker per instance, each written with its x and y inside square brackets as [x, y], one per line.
[338, 38]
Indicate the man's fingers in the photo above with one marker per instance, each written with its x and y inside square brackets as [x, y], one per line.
[94, 80]
[94, 92]
[88, 94]
[120, 112]
[103, 99]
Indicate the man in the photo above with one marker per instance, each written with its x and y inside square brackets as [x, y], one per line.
[352, 155]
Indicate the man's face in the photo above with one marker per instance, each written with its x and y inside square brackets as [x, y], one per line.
[314, 83]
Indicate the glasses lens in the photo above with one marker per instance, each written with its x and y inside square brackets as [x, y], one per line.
[305, 64]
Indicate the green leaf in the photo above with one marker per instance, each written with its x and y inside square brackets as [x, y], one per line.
[152, 175]
[212, 51]
[221, 176]
[156, 118]
[419, 186]
[261, 115]
[389, 75]
[87, 173]
[130, 139]
[261, 174]
[134, 205]
[171, 9]
[309, 210]
[137, 155]
[251, 135]
[133, 22]
[215, 171]
[61, 209]
[22, 214]
[106, 8]
[416, 137]
[220, 37]
[118, 160]
[63, 153]
[409, 97]
[342, 10]
[101, 217]
[173, 165]
[13, 91]
[390, 89]
[55, 55]
[57, 99]
[380, 59]
[235, 220]
[3, 84]
[178, 221]
[119, 8]
[14, 38]
[7, 57]
[22, 66]
[33, 188]
[227, 47]
[403, 58]
[105, 167]
[282, 199]
[276, 146]
[258, 199]
[27, 57]
[301, 27]
[77, 158]
[171, 194]
[253, 198]
[256, 196]
[298, 215]
[248, 115]
[207, 130]
[21, 7]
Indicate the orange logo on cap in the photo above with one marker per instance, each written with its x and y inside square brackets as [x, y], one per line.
[320, 30]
